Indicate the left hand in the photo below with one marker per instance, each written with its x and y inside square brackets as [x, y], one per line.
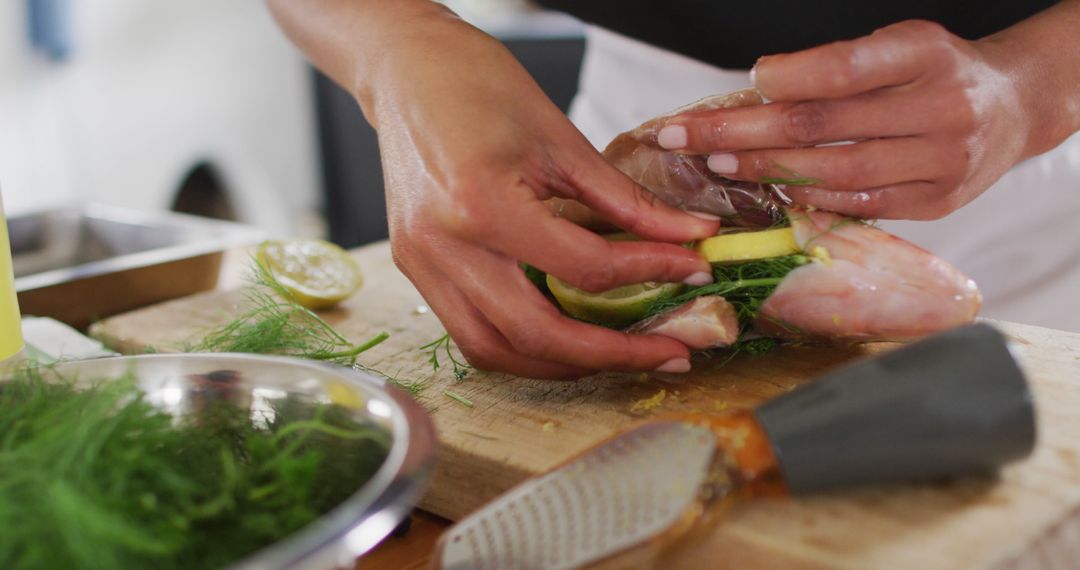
[934, 120]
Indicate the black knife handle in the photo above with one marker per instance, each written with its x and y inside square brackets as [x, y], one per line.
[952, 404]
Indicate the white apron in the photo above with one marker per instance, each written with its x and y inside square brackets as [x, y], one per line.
[1020, 240]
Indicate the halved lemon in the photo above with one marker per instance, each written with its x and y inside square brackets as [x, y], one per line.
[317, 273]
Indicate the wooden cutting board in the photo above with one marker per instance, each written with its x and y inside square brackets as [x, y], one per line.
[1029, 517]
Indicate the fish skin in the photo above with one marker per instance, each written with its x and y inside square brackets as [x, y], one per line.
[685, 181]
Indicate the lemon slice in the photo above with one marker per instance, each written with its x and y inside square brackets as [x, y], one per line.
[746, 246]
[616, 307]
[318, 274]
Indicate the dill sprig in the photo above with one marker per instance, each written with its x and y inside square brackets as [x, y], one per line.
[413, 387]
[745, 285]
[443, 343]
[790, 178]
[276, 324]
[458, 398]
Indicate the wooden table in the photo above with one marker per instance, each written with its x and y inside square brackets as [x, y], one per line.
[516, 428]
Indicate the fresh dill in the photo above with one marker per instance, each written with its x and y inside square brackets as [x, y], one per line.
[94, 476]
[413, 387]
[745, 285]
[790, 178]
[458, 398]
[755, 345]
[444, 344]
[275, 324]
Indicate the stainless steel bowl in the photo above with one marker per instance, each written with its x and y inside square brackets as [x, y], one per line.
[182, 384]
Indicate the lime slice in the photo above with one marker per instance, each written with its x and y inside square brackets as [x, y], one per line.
[614, 308]
[318, 274]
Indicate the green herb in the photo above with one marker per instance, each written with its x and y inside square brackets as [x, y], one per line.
[749, 346]
[753, 346]
[443, 343]
[413, 387]
[790, 178]
[98, 478]
[537, 277]
[744, 285]
[458, 398]
[275, 324]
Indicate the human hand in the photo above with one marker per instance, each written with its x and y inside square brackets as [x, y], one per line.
[934, 120]
[471, 148]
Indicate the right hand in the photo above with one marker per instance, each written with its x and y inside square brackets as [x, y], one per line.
[471, 148]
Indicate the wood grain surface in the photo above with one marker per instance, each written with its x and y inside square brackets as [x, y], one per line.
[515, 428]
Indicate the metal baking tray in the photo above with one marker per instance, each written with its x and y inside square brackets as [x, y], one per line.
[81, 263]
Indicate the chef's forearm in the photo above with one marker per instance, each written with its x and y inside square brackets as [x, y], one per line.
[1041, 56]
[356, 42]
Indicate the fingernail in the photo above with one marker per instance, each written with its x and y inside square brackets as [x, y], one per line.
[723, 163]
[698, 279]
[704, 215]
[675, 365]
[672, 137]
[753, 75]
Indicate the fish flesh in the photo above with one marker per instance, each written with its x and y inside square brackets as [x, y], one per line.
[702, 323]
[865, 284]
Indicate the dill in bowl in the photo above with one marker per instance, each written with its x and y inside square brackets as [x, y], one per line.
[95, 476]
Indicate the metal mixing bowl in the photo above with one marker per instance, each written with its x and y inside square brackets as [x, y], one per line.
[185, 384]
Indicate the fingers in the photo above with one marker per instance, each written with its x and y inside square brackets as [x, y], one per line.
[859, 166]
[535, 328]
[519, 226]
[893, 55]
[889, 113]
[587, 260]
[600, 186]
[908, 201]
[579, 214]
[480, 342]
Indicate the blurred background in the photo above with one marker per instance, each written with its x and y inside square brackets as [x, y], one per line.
[203, 107]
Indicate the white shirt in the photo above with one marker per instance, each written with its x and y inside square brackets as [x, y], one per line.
[1020, 240]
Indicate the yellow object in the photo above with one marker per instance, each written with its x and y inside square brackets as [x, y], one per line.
[616, 307]
[649, 403]
[746, 246]
[821, 254]
[11, 340]
[345, 396]
[318, 274]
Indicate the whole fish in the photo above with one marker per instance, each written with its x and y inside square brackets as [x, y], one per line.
[863, 283]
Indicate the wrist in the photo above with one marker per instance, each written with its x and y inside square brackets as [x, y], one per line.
[405, 50]
[1044, 74]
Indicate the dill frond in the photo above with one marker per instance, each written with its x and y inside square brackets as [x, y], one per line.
[744, 285]
[790, 178]
[276, 324]
[443, 343]
[413, 387]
